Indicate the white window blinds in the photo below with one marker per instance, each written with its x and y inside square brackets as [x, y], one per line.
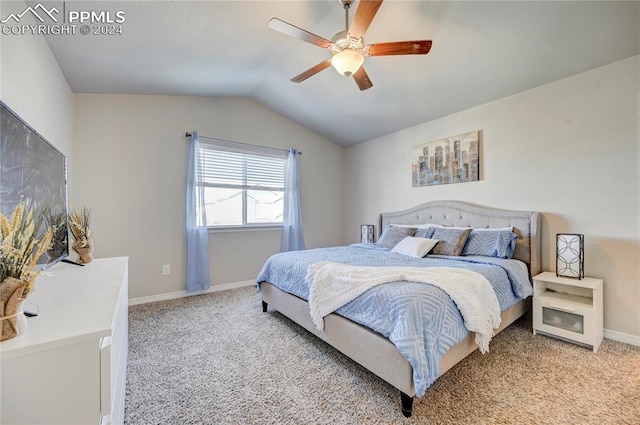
[243, 184]
[247, 171]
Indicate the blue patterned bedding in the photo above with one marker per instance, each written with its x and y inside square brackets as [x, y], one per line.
[421, 320]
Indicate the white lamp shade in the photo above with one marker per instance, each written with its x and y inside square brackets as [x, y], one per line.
[366, 233]
[347, 62]
[570, 255]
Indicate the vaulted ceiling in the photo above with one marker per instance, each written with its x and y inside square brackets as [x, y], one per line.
[482, 51]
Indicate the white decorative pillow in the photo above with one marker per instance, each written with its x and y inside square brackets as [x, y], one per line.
[415, 247]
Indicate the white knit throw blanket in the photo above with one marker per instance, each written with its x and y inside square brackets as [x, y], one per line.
[332, 285]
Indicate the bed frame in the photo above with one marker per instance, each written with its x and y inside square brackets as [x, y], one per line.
[375, 352]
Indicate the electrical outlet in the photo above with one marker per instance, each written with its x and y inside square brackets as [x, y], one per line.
[166, 270]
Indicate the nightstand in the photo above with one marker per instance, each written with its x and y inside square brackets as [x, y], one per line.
[569, 309]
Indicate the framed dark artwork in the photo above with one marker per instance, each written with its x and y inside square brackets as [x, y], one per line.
[32, 168]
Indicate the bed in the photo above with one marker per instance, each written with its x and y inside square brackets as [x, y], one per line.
[372, 349]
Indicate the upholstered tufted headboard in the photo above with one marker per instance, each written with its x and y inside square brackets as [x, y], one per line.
[525, 224]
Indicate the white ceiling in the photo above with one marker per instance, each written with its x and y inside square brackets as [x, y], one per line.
[482, 51]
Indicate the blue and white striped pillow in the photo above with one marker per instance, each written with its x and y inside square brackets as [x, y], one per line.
[498, 243]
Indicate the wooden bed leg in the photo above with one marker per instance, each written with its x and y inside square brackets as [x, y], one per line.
[264, 307]
[407, 405]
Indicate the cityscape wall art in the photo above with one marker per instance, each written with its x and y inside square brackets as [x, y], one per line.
[452, 160]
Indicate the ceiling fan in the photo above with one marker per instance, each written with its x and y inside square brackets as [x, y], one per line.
[347, 47]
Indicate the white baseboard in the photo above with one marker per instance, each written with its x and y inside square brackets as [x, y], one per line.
[621, 337]
[181, 294]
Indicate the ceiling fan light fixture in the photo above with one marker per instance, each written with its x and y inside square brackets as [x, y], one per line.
[347, 61]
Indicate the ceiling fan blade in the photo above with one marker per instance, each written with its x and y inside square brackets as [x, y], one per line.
[362, 79]
[312, 71]
[364, 15]
[418, 47]
[295, 32]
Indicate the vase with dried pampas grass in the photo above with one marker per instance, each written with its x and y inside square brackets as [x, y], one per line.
[20, 249]
[56, 220]
[79, 221]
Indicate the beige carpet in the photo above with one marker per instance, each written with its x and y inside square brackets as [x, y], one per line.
[217, 359]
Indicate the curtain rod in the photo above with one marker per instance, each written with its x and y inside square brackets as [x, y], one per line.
[240, 143]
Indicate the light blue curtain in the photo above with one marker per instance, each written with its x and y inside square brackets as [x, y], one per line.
[292, 237]
[197, 238]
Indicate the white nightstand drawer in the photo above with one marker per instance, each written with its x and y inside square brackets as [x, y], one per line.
[563, 319]
[566, 321]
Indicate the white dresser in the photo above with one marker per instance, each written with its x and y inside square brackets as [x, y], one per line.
[70, 365]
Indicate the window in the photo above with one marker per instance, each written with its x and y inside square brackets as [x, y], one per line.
[243, 185]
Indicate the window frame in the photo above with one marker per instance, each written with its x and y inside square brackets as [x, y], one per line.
[244, 150]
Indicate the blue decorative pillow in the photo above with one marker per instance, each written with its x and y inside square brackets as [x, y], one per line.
[424, 232]
[498, 243]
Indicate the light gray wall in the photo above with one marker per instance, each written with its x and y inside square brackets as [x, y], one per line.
[130, 156]
[33, 86]
[569, 149]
